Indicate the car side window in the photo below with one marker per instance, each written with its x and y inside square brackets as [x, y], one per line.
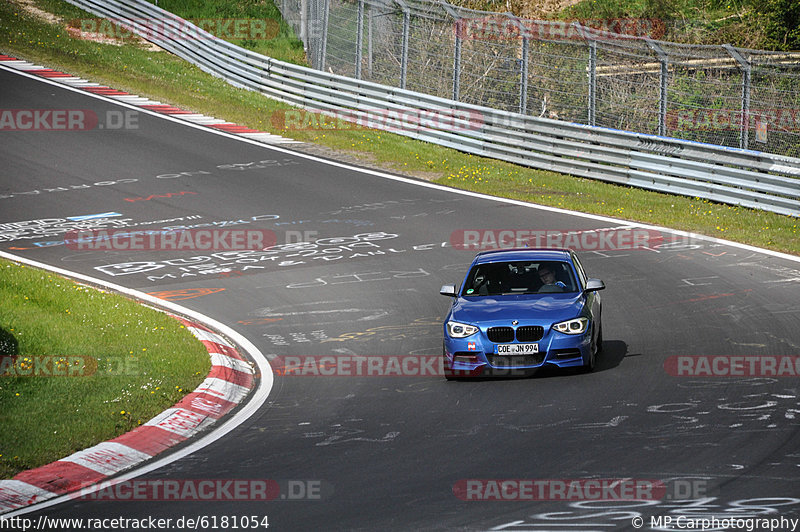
[482, 281]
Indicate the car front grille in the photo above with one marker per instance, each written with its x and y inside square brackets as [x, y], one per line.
[505, 335]
[530, 333]
[500, 335]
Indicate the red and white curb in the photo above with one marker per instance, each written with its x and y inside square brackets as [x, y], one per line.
[144, 103]
[230, 380]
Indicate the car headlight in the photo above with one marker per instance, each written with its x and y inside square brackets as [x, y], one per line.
[460, 330]
[574, 326]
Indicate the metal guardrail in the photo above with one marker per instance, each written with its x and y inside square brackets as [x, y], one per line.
[728, 175]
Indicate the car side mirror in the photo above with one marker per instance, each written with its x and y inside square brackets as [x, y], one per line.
[448, 290]
[592, 285]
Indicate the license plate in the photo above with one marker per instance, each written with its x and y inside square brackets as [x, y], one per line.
[517, 349]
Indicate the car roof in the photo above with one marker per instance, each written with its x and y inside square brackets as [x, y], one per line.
[503, 255]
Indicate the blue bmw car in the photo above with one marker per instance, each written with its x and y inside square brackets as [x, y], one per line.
[519, 309]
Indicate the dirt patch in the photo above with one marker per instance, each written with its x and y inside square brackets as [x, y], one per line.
[364, 160]
[30, 7]
[425, 176]
[75, 31]
[542, 8]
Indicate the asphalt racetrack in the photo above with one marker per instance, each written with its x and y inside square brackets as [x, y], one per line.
[404, 452]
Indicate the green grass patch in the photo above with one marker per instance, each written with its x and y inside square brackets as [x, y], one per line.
[757, 24]
[284, 46]
[129, 363]
[166, 78]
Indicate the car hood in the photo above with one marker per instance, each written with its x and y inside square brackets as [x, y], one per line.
[543, 308]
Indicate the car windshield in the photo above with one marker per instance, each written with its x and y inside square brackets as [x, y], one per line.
[519, 277]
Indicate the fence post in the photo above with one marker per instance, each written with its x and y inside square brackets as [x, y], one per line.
[316, 30]
[404, 51]
[523, 86]
[369, 42]
[313, 43]
[324, 45]
[523, 72]
[591, 74]
[592, 82]
[456, 51]
[744, 126]
[359, 37]
[304, 23]
[662, 91]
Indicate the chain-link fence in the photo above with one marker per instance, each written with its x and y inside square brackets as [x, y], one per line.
[563, 70]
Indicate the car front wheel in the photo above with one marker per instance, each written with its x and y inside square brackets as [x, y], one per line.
[595, 349]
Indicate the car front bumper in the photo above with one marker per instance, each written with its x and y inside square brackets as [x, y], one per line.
[477, 355]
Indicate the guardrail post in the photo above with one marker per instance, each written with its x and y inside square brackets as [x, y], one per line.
[662, 91]
[359, 37]
[404, 51]
[744, 126]
[324, 45]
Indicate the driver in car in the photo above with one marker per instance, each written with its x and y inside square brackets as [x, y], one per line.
[548, 276]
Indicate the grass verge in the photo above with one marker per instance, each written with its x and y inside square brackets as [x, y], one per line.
[166, 78]
[221, 16]
[123, 363]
